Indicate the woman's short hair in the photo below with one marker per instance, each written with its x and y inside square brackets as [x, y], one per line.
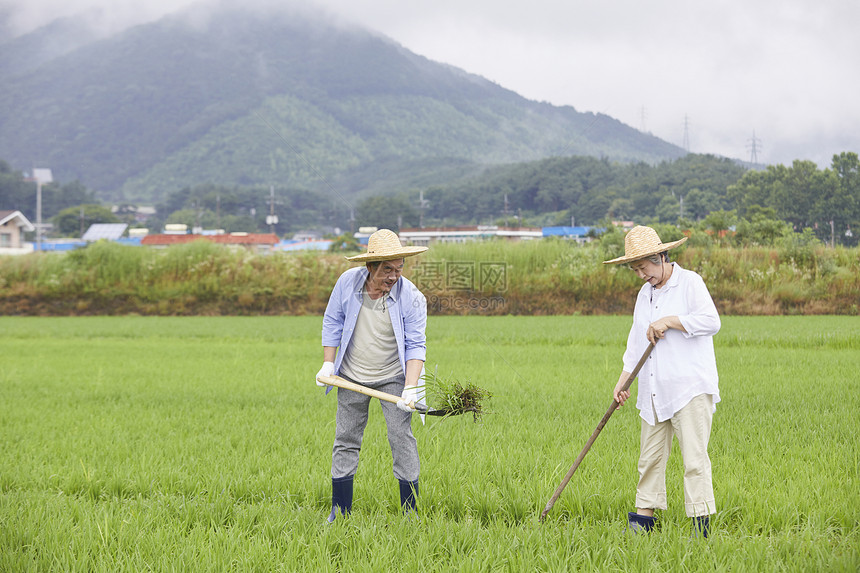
[657, 259]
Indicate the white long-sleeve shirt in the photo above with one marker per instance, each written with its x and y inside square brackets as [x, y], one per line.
[682, 364]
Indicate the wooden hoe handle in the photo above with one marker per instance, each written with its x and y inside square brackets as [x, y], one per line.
[594, 435]
[347, 385]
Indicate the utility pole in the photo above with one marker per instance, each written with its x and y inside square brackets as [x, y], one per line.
[272, 219]
[39, 213]
[422, 204]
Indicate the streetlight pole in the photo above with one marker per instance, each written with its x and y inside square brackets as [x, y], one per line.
[41, 176]
[39, 215]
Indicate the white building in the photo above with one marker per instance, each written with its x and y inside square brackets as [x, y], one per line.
[13, 225]
[428, 235]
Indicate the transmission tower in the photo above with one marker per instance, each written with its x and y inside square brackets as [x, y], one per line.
[754, 145]
[642, 116]
[686, 133]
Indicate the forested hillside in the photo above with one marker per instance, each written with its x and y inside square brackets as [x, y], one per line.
[697, 191]
[237, 96]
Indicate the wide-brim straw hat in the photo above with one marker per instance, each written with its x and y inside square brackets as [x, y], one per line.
[642, 242]
[384, 245]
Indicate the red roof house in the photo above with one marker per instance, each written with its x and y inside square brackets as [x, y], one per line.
[263, 241]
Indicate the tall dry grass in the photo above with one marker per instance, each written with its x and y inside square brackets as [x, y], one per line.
[542, 277]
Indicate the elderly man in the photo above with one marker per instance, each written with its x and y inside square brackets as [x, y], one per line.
[678, 385]
[373, 334]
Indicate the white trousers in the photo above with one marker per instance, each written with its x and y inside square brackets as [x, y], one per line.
[692, 425]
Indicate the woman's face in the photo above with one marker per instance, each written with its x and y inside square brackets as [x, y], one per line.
[652, 273]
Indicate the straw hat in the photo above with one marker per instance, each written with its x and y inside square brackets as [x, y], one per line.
[642, 242]
[384, 245]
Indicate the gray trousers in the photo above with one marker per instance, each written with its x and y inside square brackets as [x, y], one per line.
[349, 430]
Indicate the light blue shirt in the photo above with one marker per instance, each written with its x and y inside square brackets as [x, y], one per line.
[407, 308]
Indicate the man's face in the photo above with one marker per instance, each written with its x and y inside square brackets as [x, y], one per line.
[386, 274]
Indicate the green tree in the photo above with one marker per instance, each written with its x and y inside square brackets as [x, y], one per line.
[795, 192]
[621, 209]
[386, 212]
[846, 167]
[194, 218]
[761, 227]
[698, 203]
[345, 243]
[71, 221]
[720, 221]
[754, 188]
[668, 210]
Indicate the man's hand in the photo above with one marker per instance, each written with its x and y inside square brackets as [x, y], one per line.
[326, 370]
[409, 396]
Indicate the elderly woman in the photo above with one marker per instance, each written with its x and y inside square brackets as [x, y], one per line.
[373, 334]
[678, 388]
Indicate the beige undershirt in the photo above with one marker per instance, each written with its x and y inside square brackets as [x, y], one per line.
[372, 353]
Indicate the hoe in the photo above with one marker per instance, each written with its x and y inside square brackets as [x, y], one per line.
[347, 385]
[596, 432]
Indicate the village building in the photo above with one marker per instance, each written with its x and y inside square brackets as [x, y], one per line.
[257, 241]
[13, 225]
[429, 235]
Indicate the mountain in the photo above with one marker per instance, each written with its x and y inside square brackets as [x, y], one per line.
[62, 36]
[245, 96]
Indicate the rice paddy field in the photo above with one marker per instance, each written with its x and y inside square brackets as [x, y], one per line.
[202, 444]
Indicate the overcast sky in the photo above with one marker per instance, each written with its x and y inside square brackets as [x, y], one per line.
[787, 71]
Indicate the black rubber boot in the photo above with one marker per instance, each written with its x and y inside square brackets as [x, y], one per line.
[341, 496]
[639, 523]
[701, 526]
[408, 495]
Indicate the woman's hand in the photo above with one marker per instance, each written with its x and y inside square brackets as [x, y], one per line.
[657, 329]
[618, 394]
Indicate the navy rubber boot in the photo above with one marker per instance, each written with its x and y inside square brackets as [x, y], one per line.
[341, 496]
[701, 526]
[639, 523]
[408, 495]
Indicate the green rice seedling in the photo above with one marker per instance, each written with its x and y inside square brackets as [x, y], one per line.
[453, 397]
[202, 444]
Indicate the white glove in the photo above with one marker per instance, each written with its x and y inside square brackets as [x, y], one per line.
[409, 396]
[326, 370]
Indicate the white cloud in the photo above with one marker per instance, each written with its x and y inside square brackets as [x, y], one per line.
[786, 69]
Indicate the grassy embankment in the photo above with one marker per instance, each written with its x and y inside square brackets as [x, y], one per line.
[202, 444]
[496, 278]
